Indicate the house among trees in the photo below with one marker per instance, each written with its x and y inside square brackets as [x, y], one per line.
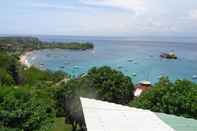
[143, 86]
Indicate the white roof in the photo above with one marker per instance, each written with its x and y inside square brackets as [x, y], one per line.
[104, 116]
[145, 82]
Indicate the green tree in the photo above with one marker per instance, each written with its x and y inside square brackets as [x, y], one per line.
[33, 75]
[10, 66]
[5, 78]
[178, 98]
[100, 83]
[22, 109]
[109, 85]
[68, 104]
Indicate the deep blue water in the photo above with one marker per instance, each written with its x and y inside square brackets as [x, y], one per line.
[115, 52]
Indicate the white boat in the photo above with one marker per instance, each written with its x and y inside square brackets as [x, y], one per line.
[145, 82]
[194, 77]
[134, 74]
[76, 67]
[66, 63]
[62, 67]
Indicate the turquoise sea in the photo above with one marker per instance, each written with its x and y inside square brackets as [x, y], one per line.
[131, 55]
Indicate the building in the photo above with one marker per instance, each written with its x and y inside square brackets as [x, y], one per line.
[143, 86]
[105, 116]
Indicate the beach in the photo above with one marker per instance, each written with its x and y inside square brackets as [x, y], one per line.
[24, 59]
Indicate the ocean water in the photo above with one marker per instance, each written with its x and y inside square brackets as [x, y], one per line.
[134, 55]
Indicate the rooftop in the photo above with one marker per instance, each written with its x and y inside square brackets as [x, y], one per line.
[105, 116]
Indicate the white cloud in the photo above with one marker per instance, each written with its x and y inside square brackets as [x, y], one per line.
[100, 17]
[134, 5]
[193, 14]
[51, 6]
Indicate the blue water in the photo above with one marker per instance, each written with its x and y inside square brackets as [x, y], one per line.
[115, 52]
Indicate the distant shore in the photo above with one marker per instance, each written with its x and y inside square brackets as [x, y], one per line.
[24, 59]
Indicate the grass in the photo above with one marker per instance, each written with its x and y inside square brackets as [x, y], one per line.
[61, 126]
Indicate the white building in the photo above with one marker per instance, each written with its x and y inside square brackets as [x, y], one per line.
[104, 116]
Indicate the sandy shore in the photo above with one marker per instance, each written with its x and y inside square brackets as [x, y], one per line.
[24, 59]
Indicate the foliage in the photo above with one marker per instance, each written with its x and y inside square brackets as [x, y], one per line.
[10, 70]
[109, 85]
[68, 103]
[60, 125]
[29, 97]
[178, 98]
[33, 75]
[12, 73]
[5, 77]
[18, 45]
[8, 129]
[100, 83]
[22, 109]
[26, 96]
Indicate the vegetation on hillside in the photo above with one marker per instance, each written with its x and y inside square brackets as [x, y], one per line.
[25, 98]
[178, 98]
[99, 83]
[12, 73]
[18, 45]
[31, 99]
[25, 91]
[24, 109]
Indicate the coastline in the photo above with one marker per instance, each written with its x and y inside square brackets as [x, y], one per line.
[24, 59]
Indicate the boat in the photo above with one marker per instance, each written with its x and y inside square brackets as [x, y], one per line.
[130, 60]
[170, 55]
[66, 63]
[76, 67]
[62, 67]
[134, 74]
[194, 77]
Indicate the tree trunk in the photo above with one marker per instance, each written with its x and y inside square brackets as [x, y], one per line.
[74, 126]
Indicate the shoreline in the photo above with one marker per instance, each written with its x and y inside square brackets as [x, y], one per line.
[24, 59]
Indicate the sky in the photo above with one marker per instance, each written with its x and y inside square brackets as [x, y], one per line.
[99, 17]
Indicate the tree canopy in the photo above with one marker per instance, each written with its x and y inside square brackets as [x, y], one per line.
[26, 96]
[178, 98]
[23, 109]
[101, 83]
[18, 45]
[108, 84]
[30, 98]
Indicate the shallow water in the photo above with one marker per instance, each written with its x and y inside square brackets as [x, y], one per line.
[129, 55]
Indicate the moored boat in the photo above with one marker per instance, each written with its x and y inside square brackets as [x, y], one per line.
[170, 55]
[194, 77]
